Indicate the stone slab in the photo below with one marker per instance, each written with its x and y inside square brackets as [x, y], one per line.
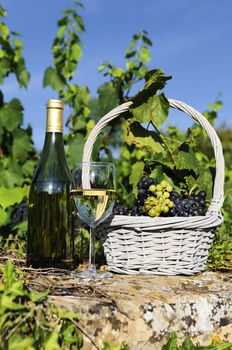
[142, 311]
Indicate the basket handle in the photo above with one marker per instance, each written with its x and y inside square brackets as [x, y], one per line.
[218, 191]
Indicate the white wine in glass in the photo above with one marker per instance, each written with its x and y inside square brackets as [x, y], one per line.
[93, 192]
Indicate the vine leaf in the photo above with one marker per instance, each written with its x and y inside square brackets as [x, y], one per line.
[11, 115]
[3, 216]
[75, 148]
[144, 139]
[155, 81]
[53, 79]
[22, 145]
[204, 182]
[136, 174]
[11, 196]
[190, 181]
[185, 159]
[154, 109]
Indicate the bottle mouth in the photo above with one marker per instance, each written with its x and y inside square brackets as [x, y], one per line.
[53, 103]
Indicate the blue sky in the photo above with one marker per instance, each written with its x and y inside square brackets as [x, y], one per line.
[192, 42]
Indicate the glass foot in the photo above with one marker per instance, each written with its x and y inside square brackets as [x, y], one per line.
[91, 273]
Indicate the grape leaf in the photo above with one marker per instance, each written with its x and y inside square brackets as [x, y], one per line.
[107, 98]
[144, 55]
[154, 109]
[159, 174]
[76, 52]
[204, 182]
[185, 159]
[136, 174]
[3, 216]
[28, 167]
[22, 73]
[13, 174]
[190, 181]
[75, 148]
[22, 145]
[11, 196]
[11, 115]
[4, 30]
[162, 159]
[116, 72]
[4, 69]
[155, 80]
[53, 79]
[144, 139]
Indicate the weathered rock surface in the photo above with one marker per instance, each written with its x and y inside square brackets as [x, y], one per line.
[142, 311]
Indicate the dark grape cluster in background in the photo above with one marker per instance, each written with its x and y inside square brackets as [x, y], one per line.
[159, 199]
[20, 214]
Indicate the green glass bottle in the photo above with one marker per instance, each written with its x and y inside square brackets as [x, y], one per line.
[50, 238]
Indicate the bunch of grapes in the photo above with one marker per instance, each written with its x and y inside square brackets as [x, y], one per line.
[159, 199]
[188, 205]
[20, 214]
[159, 202]
[119, 210]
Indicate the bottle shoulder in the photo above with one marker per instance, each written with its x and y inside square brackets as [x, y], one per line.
[52, 165]
[52, 171]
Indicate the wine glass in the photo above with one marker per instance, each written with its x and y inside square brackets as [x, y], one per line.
[93, 193]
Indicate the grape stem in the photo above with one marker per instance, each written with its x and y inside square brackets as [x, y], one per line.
[194, 187]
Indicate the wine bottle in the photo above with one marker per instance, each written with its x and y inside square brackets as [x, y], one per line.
[50, 236]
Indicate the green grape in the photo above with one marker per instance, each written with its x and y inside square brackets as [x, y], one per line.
[151, 200]
[161, 200]
[171, 204]
[159, 207]
[159, 187]
[169, 188]
[152, 188]
[147, 206]
[164, 183]
[152, 212]
[166, 201]
[166, 195]
[165, 209]
[159, 193]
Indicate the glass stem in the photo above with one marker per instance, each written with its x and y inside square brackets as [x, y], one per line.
[92, 249]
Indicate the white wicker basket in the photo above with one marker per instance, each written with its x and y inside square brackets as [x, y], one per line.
[161, 245]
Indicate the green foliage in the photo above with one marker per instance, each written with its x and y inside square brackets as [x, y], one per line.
[189, 345]
[107, 346]
[176, 155]
[28, 321]
[11, 60]
[17, 153]
[67, 51]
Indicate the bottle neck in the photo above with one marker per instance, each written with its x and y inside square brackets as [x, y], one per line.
[52, 165]
[53, 145]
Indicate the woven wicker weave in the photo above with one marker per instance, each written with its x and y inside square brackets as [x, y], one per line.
[161, 245]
